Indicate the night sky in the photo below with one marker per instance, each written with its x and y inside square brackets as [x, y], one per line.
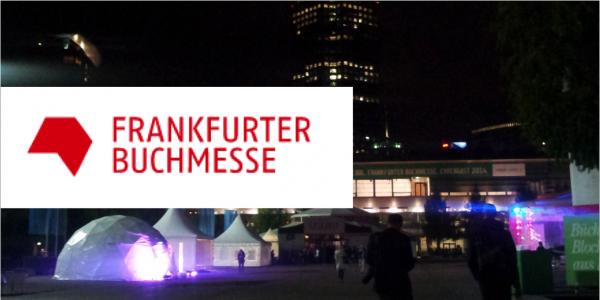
[440, 78]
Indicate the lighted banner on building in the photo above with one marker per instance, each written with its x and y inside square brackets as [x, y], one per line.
[188, 147]
[581, 249]
[389, 171]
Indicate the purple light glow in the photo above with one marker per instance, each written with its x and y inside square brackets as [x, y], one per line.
[194, 273]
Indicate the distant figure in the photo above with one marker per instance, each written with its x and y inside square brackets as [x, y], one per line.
[492, 257]
[340, 264]
[361, 258]
[540, 247]
[389, 255]
[272, 257]
[241, 259]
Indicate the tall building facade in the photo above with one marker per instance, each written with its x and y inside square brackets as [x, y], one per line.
[48, 60]
[338, 44]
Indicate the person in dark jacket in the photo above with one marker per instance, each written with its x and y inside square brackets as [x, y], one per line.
[492, 257]
[389, 255]
[540, 247]
[241, 257]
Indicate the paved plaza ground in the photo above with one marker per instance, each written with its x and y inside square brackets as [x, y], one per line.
[430, 281]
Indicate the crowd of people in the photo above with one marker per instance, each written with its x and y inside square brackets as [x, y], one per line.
[318, 255]
[389, 258]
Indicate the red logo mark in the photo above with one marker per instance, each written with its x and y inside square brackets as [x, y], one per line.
[63, 136]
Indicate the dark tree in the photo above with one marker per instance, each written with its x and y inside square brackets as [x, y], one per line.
[271, 218]
[550, 59]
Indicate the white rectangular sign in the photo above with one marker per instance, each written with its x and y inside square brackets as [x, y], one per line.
[176, 147]
[508, 169]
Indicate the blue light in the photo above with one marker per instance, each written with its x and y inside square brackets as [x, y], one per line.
[516, 210]
[461, 145]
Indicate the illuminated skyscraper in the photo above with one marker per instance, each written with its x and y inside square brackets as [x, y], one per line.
[339, 44]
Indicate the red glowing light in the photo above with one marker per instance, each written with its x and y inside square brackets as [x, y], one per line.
[445, 145]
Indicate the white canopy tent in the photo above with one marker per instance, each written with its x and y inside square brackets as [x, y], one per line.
[192, 249]
[237, 236]
[271, 237]
[115, 248]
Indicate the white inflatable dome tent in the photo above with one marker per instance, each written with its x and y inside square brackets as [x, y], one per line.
[192, 249]
[236, 237]
[115, 248]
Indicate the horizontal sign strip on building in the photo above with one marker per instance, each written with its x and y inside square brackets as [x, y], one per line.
[431, 170]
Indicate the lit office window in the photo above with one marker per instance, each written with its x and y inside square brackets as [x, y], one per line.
[364, 188]
[332, 38]
[339, 37]
[370, 67]
[361, 99]
[339, 76]
[345, 36]
[298, 32]
[294, 77]
[333, 83]
[332, 71]
[319, 6]
[359, 20]
[354, 6]
[366, 73]
[350, 64]
[326, 64]
[306, 10]
[332, 77]
[401, 187]
[315, 78]
[383, 188]
[332, 19]
[345, 76]
[332, 64]
[355, 26]
[371, 74]
[306, 73]
[360, 8]
[344, 4]
[355, 19]
[345, 63]
[319, 64]
[326, 5]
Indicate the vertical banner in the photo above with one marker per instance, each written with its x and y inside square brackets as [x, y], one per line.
[207, 221]
[230, 216]
[581, 249]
